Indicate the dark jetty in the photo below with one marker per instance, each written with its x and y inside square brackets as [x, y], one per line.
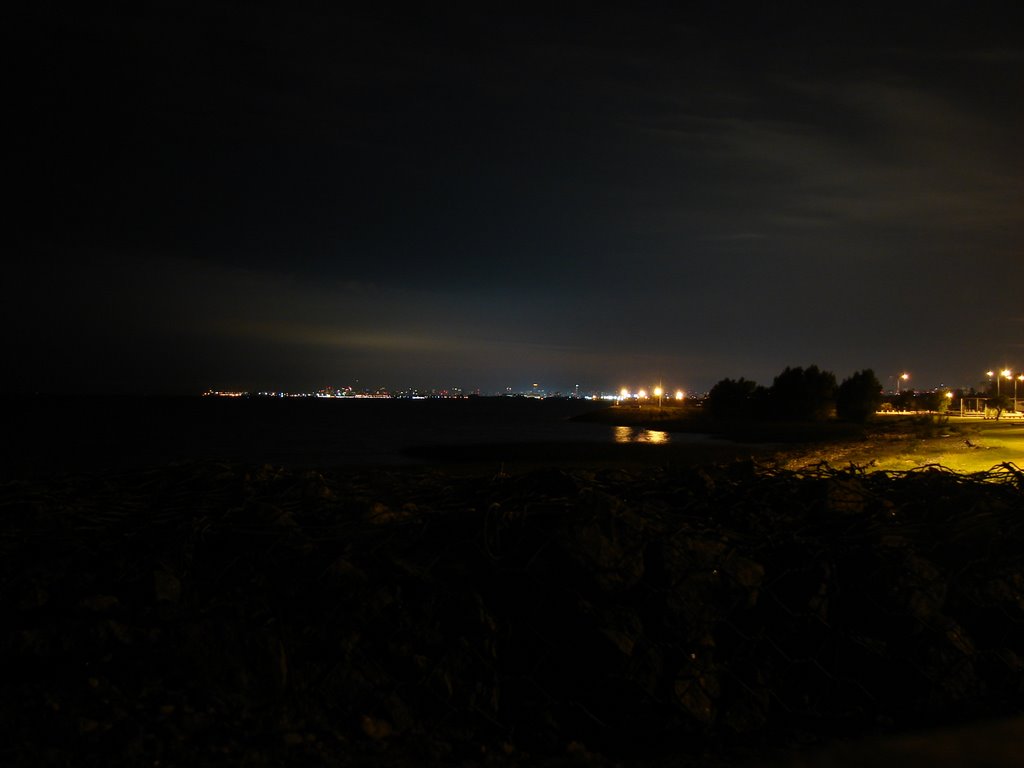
[222, 614]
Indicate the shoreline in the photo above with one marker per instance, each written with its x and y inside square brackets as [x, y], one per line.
[886, 442]
[516, 603]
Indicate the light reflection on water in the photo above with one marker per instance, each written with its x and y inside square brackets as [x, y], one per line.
[637, 435]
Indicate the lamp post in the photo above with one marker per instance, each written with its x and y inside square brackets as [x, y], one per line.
[1019, 378]
[658, 391]
[1003, 374]
[902, 376]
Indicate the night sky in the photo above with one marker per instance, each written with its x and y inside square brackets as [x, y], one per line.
[233, 195]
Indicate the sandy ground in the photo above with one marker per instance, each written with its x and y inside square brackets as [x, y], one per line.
[964, 445]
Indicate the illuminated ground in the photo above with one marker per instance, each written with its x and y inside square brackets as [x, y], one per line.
[961, 444]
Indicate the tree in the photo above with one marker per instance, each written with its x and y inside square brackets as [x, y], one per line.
[803, 394]
[731, 399]
[905, 400]
[998, 403]
[935, 401]
[859, 396]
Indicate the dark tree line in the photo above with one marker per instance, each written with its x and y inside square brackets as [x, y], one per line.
[797, 394]
[859, 396]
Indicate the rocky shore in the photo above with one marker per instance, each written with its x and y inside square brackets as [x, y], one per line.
[210, 613]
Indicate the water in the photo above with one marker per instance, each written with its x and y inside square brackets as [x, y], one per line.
[72, 434]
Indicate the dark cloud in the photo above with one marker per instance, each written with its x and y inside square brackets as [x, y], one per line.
[231, 195]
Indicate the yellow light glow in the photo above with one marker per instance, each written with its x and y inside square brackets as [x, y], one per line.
[658, 391]
[905, 376]
[641, 394]
[623, 393]
[949, 395]
[680, 394]
[1006, 373]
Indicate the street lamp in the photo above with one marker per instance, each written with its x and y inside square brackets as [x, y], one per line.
[658, 392]
[904, 377]
[1003, 374]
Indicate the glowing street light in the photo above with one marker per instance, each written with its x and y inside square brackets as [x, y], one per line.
[642, 394]
[658, 391]
[903, 377]
[680, 394]
[623, 393]
[1006, 373]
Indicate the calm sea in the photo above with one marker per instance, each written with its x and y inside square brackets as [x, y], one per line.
[64, 434]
